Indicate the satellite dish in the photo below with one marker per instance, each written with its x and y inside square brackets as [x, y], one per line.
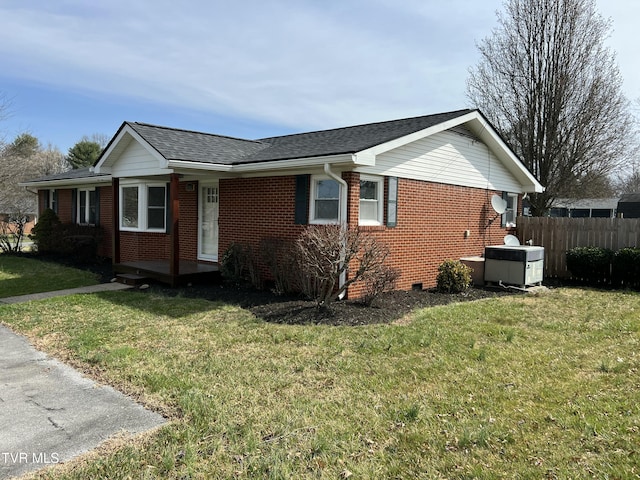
[511, 241]
[498, 204]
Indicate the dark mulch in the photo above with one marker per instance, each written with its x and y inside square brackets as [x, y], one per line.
[270, 307]
[295, 310]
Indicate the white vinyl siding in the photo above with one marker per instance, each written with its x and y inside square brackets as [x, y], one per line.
[135, 161]
[449, 158]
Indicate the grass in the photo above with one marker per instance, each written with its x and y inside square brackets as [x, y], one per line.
[525, 386]
[22, 276]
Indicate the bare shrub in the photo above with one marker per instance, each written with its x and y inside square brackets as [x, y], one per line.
[333, 257]
[239, 264]
[280, 257]
[12, 232]
[379, 281]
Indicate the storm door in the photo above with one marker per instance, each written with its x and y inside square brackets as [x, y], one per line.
[208, 222]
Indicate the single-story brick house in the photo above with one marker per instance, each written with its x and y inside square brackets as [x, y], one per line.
[422, 185]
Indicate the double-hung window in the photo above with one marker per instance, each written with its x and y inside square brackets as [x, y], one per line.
[371, 200]
[143, 207]
[509, 216]
[86, 206]
[51, 200]
[325, 200]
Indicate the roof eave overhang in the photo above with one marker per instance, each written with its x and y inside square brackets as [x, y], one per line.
[68, 182]
[264, 166]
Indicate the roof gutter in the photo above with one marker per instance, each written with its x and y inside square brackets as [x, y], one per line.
[342, 218]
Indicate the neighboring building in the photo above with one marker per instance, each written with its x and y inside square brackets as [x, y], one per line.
[422, 185]
[586, 207]
[629, 205]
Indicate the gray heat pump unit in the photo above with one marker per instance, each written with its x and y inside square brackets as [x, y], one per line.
[521, 265]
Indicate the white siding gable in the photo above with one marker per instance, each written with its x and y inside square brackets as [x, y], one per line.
[446, 157]
[135, 160]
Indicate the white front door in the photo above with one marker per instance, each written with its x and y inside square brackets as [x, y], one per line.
[208, 229]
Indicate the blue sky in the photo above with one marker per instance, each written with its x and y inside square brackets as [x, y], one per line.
[250, 68]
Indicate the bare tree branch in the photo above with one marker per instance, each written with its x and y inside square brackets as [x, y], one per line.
[554, 91]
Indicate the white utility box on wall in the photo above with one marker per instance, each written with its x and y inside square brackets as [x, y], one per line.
[521, 265]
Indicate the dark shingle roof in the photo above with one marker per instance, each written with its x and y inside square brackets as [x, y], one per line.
[346, 140]
[186, 145]
[630, 198]
[175, 144]
[71, 175]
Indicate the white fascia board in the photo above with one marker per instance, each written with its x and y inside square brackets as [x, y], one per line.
[258, 167]
[365, 158]
[291, 163]
[189, 165]
[114, 150]
[69, 182]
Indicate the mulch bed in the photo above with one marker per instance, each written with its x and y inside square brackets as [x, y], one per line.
[295, 310]
[274, 308]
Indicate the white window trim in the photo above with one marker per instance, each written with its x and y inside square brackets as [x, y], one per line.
[514, 198]
[312, 210]
[143, 203]
[83, 221]
[380, 201]
[52, 200]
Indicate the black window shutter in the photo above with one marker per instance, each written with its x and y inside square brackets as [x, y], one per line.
[392, 202]
[302, 199]
[45, 196]
[74, 203]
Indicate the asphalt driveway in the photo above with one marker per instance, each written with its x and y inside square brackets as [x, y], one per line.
[50, 413]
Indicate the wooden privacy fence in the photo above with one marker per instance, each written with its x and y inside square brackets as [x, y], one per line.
[557, 235]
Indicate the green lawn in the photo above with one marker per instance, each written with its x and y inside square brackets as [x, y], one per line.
[22, 276]
[517, 387]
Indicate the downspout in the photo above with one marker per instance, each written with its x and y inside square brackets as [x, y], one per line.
[342, 215]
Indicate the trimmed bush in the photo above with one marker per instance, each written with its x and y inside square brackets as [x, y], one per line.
[590, 264]
[453, 277]
[45, 233]
[626, 267]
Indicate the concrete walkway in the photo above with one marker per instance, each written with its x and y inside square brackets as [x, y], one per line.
[51, 413]
[101, 287]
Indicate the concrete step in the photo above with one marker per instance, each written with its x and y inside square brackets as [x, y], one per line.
[131, 279]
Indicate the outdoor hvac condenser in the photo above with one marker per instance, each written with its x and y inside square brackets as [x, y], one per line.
[521, 265]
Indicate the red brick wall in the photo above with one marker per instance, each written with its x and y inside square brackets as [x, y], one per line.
[106, 221]
[188, 221]
[65, 206]
[431, 224]
[256, 208]
[154, 246]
